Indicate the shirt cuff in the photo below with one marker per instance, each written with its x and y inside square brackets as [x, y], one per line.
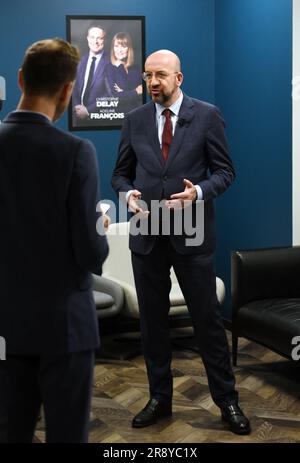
[199, 192]
[128, 194]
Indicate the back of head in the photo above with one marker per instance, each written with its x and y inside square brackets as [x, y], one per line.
[48, 65]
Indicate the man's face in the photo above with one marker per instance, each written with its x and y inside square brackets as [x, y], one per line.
[163, 80]
[95, 38]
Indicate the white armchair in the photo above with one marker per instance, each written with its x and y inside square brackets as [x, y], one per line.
[117, 267]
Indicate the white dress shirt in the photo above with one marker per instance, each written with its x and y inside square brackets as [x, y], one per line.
[160, 122]
[161, 119]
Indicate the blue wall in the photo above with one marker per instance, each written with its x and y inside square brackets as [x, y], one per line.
[253, 89]
[236, 53]
[169, 24]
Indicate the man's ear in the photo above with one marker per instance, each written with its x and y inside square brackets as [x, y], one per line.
[20, 79]
[66, 92]
[179, 78]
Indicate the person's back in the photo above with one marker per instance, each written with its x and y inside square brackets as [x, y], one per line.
[43, 265]
[49, 246]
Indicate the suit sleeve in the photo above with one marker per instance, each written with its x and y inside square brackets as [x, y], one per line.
[76, 96]
[127, 82]
[220, 165]
[124, 171]
[89, 247]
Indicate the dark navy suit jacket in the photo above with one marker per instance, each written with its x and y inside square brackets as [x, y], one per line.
[126, 81]
[98, 86]
[49, 188]
[198, 152]
[128, 98]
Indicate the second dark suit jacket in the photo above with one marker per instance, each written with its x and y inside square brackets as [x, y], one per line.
[49, 188]
[98, 86]
[198, 152]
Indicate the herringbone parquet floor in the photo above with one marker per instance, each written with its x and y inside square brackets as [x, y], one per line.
[269, 395]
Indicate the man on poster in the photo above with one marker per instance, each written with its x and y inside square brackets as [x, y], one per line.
[90, 81]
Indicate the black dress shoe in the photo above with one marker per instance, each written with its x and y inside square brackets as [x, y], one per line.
[235, 418]
[151, 413]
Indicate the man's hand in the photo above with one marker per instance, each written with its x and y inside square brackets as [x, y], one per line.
[184, 199]
[117, 88]
[81, 111]
[139, 89]
[134, 206]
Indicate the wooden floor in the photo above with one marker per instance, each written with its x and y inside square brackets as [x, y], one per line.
[268, 386]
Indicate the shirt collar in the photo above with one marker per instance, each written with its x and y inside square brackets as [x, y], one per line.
[98, 56]
[32, 112]
[175, 107]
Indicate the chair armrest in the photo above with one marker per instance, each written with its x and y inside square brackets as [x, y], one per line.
[130, 307]
[220, 290]
[105, 285]
[264, 273]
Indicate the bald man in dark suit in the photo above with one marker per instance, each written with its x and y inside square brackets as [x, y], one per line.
[174, 150]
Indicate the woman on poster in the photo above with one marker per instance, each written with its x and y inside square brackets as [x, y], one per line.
[122, 78]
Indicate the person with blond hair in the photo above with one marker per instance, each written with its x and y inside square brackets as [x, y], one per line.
[123, 79]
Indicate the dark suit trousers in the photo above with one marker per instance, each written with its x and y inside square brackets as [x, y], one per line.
[197, 280]
[62, 383]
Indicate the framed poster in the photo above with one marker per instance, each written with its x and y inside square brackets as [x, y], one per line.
[109, 75]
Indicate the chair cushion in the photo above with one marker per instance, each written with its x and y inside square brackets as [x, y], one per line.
[272, 322]
[102, 300]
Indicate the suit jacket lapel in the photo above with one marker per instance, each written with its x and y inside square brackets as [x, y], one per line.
[185, 116]
[152, 133]
[81, 72]
[100, 69]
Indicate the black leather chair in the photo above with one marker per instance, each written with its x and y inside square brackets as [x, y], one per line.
[266, 298]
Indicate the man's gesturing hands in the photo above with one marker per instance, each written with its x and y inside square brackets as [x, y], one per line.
[184, 199]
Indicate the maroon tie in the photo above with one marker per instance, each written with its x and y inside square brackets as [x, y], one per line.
[167, 133]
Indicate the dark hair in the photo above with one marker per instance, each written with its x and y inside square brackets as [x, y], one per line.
[96, 27]
[48, 65]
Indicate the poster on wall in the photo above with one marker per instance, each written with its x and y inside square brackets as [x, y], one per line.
[109, 75]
